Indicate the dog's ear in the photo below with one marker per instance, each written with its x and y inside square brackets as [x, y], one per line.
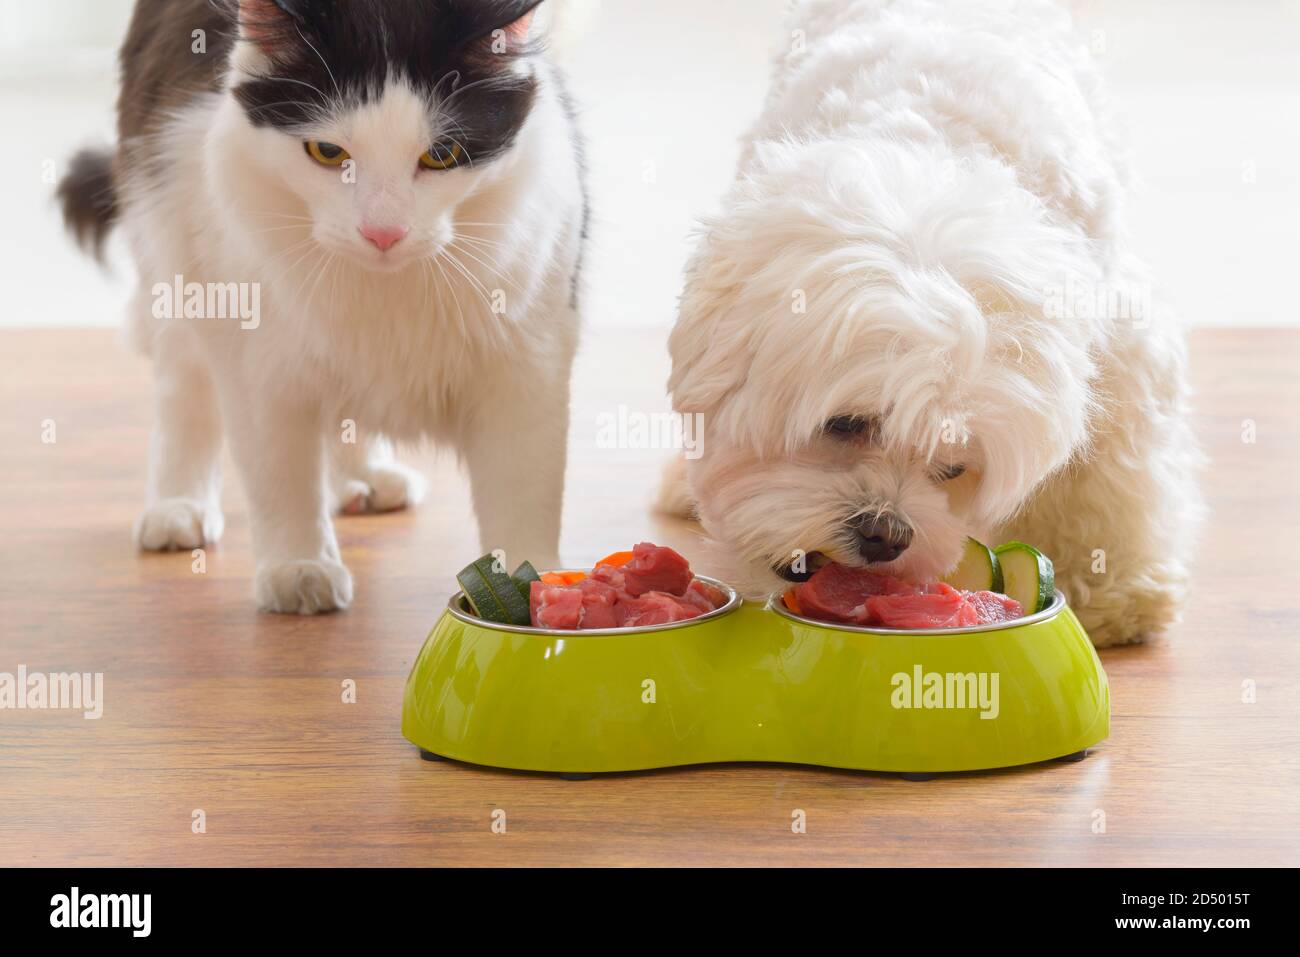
[703, 372]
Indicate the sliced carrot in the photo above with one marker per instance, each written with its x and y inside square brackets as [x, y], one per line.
[563, 578]
[618, 559]
[792, 602]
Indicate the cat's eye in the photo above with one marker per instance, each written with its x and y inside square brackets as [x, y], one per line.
[442, 156]
[950, 473]
[327, 154]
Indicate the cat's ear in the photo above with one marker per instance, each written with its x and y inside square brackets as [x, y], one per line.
[270, 24]
[520, 30]
[512, 25]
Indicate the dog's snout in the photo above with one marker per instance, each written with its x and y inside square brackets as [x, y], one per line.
[880, 539]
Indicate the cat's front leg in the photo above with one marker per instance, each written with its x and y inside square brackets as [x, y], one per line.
[183, 508]
[516, 452]
[280, 449]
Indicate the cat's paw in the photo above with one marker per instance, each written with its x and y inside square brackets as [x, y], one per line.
[383, 488]
[303, 587]
[173, 524]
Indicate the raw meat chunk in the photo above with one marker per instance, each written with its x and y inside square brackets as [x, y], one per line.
[656, 568]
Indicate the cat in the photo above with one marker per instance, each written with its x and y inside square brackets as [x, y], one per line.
[400, 184]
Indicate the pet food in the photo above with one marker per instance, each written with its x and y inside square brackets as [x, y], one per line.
[857, 596]
[650, 585]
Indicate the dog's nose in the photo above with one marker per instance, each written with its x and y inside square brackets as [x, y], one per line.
[880, 539]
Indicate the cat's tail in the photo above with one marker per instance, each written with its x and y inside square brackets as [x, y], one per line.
[88, 195]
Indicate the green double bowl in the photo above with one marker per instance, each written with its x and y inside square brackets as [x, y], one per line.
[751, 682]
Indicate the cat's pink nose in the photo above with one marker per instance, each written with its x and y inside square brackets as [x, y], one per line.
[385, 237]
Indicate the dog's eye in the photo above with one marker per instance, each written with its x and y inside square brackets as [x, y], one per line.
[849, 426]
[950, 472]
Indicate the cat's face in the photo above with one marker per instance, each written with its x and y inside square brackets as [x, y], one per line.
[381, 117]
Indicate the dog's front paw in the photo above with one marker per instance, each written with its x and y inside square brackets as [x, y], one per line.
[383, 488]
[303, 587]
[178, 523]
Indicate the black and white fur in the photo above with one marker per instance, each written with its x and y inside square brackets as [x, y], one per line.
[464, 331]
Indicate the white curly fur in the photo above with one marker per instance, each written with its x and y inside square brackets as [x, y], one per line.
[924, 217]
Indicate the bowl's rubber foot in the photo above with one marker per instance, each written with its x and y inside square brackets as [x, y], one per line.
[917, 776]
[1074, 758]
[576, 777]
[430, 756]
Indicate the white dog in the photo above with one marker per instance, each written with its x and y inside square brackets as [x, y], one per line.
[917, 318]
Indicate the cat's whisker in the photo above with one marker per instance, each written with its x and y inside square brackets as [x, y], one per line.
[279, 275]
[456, 91]
[278, 229]
[464, 332]
[496, 270]
[491, 251]
[319, 274]
[463, 148]
[279, 215]
[426, 273]
[459, 231]
[271, 106]
[308, 273]
[478, 286]
[330, 260]
[464, 329]
[481, 239]
[473, 277]
[337, 89]
[465, 234]
[443, 79]
[303, 246]
[289, 79]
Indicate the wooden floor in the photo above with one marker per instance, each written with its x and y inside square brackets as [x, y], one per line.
[212, 707]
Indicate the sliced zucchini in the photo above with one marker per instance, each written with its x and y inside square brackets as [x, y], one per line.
[492, 594]
[524, 577]
[978, 570]
[1028, 576]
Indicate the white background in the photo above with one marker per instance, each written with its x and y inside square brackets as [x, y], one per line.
[1210, 92]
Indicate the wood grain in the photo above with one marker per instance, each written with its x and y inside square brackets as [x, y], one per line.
[212, 706]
